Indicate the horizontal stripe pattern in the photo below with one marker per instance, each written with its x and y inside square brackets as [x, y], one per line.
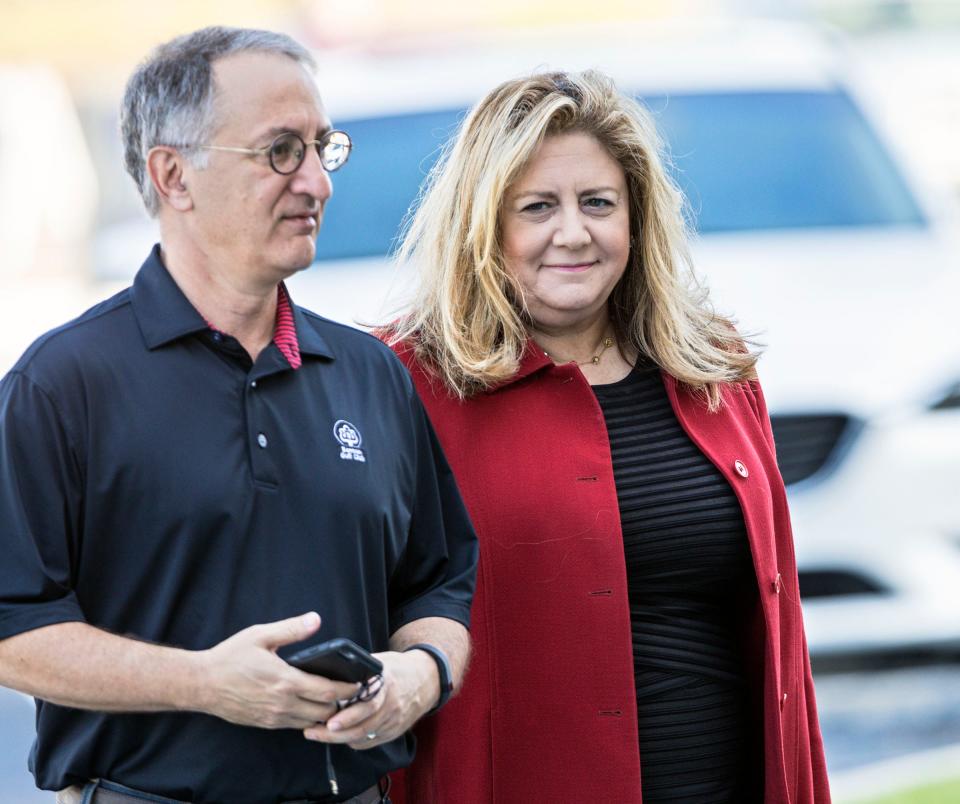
[689, 576]
[285, 331]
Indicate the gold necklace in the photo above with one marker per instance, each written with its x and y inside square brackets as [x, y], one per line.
[606, 343]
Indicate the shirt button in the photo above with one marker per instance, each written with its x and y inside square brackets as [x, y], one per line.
[741, 469]
[217, 337]
[262, 440]
[253, 383]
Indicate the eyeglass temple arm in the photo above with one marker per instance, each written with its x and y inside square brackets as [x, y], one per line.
[235, 150]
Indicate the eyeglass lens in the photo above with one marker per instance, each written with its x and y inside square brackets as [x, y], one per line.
[288, 151]
[335, 149]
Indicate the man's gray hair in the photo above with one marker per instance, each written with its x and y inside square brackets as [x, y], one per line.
[169, 99]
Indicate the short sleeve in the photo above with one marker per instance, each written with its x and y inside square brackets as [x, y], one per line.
[436, 575]
[40, 510]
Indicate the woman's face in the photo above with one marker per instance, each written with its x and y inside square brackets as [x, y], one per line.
[566, 231]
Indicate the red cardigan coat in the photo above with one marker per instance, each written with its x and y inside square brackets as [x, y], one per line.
[548, 708]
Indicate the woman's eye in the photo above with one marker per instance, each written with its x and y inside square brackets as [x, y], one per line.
[536, 206]
[598, 203]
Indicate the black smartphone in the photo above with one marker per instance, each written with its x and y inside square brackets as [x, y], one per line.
[337, 659]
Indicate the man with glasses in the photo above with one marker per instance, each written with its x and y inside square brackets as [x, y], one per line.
[196, 471]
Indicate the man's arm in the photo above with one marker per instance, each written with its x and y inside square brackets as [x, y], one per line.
[241, 680]
[411, 685]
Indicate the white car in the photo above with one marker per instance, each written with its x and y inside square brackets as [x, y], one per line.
[813, 233]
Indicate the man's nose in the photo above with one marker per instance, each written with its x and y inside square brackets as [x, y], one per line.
[311, 178]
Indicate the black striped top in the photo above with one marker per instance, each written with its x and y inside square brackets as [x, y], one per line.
[690, 576]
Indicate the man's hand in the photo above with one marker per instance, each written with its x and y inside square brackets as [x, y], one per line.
[242, 679]
[411, 687]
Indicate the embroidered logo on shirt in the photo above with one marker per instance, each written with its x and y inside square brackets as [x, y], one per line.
[350, 440]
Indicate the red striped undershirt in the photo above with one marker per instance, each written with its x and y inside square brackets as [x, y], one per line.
[284, 330]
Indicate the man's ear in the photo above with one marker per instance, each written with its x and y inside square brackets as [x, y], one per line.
[165, 167]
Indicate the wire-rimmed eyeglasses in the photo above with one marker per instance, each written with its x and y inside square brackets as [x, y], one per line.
[288, 150]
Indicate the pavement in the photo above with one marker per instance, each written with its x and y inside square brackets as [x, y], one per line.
[875, 715]
[16, 736]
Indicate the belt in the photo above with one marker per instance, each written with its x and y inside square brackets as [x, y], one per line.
[106, 792]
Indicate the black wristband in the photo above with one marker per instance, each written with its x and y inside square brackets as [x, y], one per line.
[443, 668]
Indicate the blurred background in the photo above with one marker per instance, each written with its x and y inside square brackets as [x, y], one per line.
[816, 143]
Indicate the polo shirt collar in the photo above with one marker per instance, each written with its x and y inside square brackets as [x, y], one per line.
[309, 340]
[164, 314]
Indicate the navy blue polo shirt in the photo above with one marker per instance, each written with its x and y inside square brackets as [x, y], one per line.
[156, 483]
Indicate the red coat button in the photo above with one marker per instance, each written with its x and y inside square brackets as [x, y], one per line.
[741, 469]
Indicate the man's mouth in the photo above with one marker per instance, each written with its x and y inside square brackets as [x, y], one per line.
[306, 221]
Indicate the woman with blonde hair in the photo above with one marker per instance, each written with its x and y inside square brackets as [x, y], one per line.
[637, 628]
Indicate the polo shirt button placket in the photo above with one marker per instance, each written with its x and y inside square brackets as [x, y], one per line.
[261, 430]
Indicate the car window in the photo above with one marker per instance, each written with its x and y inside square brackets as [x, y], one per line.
[746, 161]
[782, 160]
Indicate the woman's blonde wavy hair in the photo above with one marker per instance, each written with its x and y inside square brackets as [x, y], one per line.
[466, 323]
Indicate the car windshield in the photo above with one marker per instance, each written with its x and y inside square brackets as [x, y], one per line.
[746, 161]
